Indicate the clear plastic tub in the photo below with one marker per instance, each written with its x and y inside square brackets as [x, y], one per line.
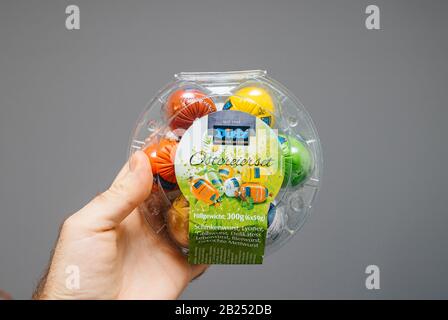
[194, 95]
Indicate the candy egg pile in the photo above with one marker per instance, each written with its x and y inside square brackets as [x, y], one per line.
[195, 99]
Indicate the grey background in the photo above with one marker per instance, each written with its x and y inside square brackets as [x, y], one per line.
[69, 100]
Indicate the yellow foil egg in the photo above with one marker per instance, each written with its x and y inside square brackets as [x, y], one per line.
[177, 221]
[254, 100]
[254, 174]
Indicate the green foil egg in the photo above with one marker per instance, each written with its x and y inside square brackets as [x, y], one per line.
[298, 162]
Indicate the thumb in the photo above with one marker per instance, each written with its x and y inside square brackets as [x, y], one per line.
[130, 188]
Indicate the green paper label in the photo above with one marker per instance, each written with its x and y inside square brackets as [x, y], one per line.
[228, 166]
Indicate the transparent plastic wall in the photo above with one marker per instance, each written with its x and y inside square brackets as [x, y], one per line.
[293, 204]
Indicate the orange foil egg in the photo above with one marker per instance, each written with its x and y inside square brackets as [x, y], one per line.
[185, 106]
[161, 156]
[151, 152]
[256, 192]
[204, 191]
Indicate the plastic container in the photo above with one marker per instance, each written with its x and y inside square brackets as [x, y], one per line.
[194, 95]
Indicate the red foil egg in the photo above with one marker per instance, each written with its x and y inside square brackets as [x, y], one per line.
[151, 152]
[185, 106]
[161, 156]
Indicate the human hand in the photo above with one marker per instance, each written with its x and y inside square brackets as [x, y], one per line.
[117, 253]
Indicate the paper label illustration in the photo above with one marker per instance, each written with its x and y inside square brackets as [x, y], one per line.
[228, 166]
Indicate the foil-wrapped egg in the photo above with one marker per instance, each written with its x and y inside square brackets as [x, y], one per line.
[177, 221]
[161, 156]
[204, 191]
[254, 174]
[298, 162]
[275, 222]
[254, 191]
[232, 186]
[226, 172]
[216, 181]
[186, 105]
[254, 100]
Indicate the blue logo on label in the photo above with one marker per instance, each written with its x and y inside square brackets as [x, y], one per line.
[230, 133]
